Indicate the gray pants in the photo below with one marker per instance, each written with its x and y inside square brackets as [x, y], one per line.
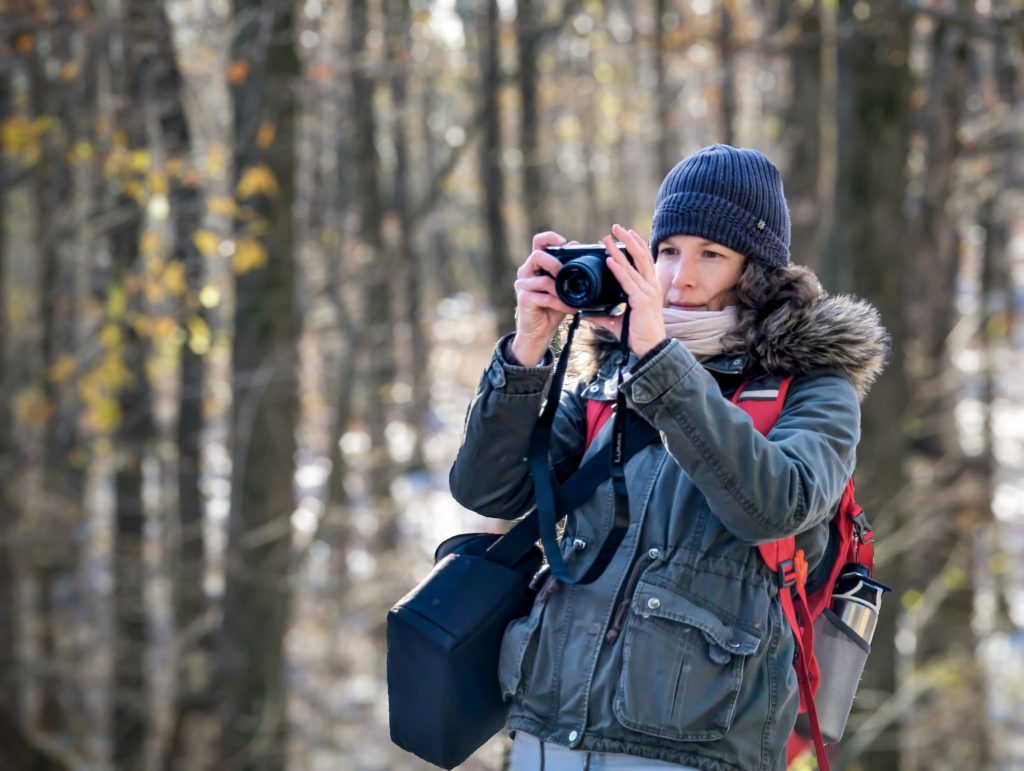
[531, 754]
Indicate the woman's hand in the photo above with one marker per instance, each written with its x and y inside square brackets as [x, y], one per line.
[538, 309]
[640, 283]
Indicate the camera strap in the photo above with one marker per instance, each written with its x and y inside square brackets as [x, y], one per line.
[545, 488]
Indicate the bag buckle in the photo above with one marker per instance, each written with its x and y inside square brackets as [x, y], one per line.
[862, 530]
[792, 571]
[786, 573]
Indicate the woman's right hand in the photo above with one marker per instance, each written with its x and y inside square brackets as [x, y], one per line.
[538, 309]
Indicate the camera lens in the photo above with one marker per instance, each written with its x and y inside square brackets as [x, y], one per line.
[578, 284]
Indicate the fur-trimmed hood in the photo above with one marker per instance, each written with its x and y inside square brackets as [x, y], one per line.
[831, 332]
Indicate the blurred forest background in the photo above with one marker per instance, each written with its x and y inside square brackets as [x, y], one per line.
[253, 257]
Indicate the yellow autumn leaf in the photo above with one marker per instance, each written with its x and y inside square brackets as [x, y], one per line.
[175, 167]
[163, 327]
[157, 183]
[21, 139]
[206, 242]
[63, 368]
[111, 374]
[149, 243]
[223, 206]
[174, 278]
[155, 292]
[116, 301]
[142, 325]
[258, 227]
[103, 416]
[68, 71]
[110, 336]
[82, 151]
[216, 161]
[265, 135]
[140, 160]
[250, 255]
[31, 406]
[239, 71]
[199, 336]
[113, 162]
[255, 180]
[135, 190]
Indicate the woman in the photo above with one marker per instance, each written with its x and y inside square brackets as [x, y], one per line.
[678, 656]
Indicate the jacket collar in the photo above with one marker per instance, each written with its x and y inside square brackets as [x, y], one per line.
[837, 332]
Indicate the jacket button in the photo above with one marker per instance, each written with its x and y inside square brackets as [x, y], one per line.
[573, 735]
[654, 554]
[654, 603]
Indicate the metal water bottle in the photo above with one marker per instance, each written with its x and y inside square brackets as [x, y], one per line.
[857, 599]
[842, 641]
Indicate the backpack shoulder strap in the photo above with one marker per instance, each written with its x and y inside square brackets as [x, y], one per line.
[598, 413]
[762, 399]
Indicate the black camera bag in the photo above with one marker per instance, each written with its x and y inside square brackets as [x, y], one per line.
[444, 637]
[443, 643]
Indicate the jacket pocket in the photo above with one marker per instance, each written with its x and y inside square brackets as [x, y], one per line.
[518, 647]
[682, 668]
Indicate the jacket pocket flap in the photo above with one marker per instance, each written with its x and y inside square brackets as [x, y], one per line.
[660, 602]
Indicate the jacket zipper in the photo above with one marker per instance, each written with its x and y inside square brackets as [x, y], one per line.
[619, 619]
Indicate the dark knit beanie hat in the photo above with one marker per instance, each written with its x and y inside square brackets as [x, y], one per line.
[730, 196]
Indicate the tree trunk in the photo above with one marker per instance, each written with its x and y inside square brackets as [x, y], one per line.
[951, 718]
[529, 36]
[55, 555]
[398, 23]
[500, 271]
[663, 99]
[440, 275]
[132, 435]
[873, 96]
[727, 58]
[257, 596]
[10, 517]
[380, 345]
[803, 118]
[151, 35]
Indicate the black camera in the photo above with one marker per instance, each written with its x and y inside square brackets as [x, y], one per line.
[584, 281]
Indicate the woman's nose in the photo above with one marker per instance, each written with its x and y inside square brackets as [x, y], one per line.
[685, 274]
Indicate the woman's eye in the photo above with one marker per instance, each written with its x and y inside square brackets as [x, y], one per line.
[709, 253]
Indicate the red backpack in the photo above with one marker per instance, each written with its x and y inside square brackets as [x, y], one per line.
[850, 541]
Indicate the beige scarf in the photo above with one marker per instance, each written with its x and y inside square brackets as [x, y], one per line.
[700, 331]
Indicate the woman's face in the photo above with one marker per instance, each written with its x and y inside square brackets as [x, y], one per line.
[696, 274]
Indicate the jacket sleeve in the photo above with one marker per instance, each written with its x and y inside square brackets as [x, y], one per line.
[761, 487]
[490, 475]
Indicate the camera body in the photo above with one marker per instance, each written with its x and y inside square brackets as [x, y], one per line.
[584, 281]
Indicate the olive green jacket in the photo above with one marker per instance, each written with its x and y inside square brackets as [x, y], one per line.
[679, 651]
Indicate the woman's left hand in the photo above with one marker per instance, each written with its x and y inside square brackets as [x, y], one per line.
[641, 285]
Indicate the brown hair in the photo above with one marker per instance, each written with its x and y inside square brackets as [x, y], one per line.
[761, 290]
